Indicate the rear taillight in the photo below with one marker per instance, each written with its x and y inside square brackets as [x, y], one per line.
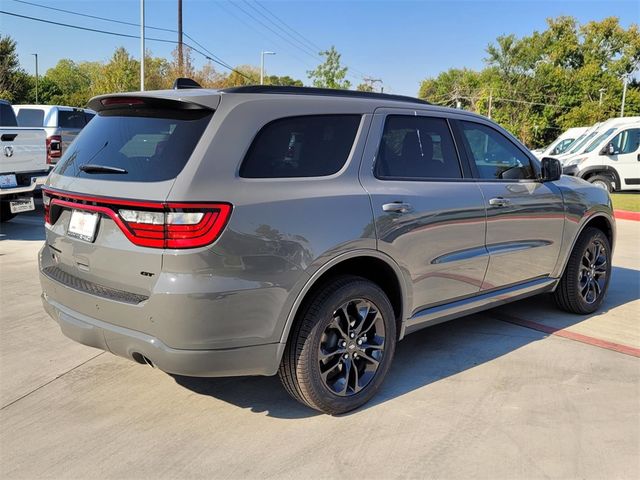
[54, 149]
[46, 201]
[150, 224]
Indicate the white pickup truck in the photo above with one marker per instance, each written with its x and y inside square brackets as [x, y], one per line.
[23, 163]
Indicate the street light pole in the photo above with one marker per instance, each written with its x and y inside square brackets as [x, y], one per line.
[625, 80]
[142, 45]
[262, 54]
[36, 55]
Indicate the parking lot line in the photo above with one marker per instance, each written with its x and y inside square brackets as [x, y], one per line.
[560, 332]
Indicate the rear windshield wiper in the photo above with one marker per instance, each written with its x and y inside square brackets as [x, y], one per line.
[91, 168]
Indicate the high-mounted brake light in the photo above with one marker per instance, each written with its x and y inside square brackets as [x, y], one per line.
[151, 224]
[54, 148]
[122, 101]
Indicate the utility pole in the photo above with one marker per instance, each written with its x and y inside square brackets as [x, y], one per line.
[490, 102]
[373, 81]
[36, 55]
[625, 80]
[142, 45]
[180, 57]
[262, 54]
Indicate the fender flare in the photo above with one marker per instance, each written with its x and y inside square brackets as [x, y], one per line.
[404, 290]
[585, 222]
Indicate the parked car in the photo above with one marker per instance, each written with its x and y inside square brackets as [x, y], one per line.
[61, 123]
[612, 159]
[303, 232]
[561, 144]
[23, 164]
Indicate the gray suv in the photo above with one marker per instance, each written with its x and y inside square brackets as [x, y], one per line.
[303, 232]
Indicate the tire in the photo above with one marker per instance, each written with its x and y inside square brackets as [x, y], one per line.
[583, 269]
[324, 366]
[5, 212]
[602, 181]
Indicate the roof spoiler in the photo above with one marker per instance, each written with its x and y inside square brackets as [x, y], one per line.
[183, 83]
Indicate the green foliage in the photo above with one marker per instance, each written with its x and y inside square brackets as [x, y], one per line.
[330, 73]
[14, 82]
[364, 87]
[542, 84]
[285, 81]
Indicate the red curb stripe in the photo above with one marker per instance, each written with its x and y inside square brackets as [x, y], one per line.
[578, 337]
[627, 215]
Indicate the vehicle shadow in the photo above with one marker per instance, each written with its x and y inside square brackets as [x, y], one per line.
[26, 226]
[427, 356]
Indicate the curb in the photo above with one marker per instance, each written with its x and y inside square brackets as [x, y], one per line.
[626, 215]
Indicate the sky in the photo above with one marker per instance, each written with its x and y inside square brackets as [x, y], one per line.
[399, 42]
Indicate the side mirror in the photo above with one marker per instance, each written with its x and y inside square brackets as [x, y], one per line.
[608, 149]
[551, 169]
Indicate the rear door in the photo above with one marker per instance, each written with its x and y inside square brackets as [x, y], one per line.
[525, 217]
[429, 213]
[125, 161]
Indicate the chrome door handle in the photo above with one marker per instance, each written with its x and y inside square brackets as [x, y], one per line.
[499, 202]
[398, 207]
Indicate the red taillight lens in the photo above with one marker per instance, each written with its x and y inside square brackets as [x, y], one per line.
[46, 201]
[54, 148]
[150, 224]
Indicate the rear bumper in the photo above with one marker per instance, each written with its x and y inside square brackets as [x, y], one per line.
[130, 344]
[35, 182]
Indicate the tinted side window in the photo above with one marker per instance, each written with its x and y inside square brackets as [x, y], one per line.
[562, 146]
[417, 147]
[310, 146]
[495, 156]
[31, 117]
[73, 119]
[627, 141]
[88, 116]
[7, 117]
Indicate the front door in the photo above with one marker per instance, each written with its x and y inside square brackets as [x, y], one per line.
[525, 217]
[626, 158]
[429, 214]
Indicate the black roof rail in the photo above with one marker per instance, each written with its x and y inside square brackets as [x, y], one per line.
[182, 83]
[329, 92]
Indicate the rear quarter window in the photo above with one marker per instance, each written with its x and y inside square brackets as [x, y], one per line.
[7, 116]
[304, 146]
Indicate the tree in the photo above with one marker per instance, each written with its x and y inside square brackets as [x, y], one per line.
[365, 87]
[285, 81]
[541, 84]
[330, 73]
[14, 82]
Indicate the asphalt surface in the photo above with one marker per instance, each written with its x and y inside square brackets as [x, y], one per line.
[478, 397]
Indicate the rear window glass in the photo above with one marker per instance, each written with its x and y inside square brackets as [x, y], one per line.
[309, 146]
[7, 117]
[71, 119]
[151, 147]
[31, 117]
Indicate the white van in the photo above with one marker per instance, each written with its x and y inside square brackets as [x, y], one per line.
[561, 144]
[612, 158]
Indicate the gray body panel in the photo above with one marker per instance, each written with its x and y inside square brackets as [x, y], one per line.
[242, 292]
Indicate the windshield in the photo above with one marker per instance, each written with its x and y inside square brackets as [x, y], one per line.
[583, 142]
[599, 140]
[148, 146]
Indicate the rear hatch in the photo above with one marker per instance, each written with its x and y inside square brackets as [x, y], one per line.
[105, 200]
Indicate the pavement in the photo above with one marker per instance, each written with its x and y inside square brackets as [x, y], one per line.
[479, 397]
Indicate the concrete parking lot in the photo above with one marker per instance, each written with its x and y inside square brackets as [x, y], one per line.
[522, 391]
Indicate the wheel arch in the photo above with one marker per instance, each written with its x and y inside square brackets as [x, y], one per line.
[602, 170]
[601, 222]
[370, 264]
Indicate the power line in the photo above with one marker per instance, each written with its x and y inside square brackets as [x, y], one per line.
[118, 34]
[305, 39]
[131, 24]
